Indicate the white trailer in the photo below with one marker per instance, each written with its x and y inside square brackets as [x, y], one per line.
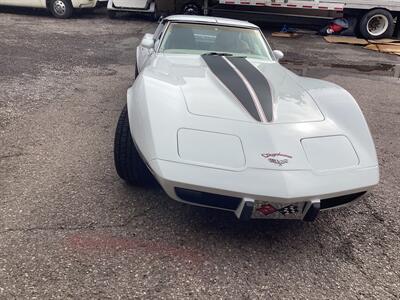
[375, 18]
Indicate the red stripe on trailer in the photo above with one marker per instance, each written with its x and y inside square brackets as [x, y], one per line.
[289, 5]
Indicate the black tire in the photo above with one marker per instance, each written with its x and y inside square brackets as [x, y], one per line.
[128, 163]
[111, 14]
[61, 9]
[377, 14]
[136, 71]
[191, 9]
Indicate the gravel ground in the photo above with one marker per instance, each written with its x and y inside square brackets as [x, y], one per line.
[70, 228]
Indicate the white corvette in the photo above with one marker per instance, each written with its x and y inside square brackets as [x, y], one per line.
[218, 122]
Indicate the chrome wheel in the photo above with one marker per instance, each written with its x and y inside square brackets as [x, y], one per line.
[59, 7]
[377, 25]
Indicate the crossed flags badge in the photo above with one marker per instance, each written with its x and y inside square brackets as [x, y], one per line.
[268, 209]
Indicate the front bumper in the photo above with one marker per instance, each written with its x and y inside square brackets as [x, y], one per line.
[150, 9]
[240, 191]
[84, 3]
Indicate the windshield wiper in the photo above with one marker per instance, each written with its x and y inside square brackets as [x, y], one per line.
[218, 53]
[221, 54]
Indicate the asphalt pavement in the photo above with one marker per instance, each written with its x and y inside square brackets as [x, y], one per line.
[71, 229]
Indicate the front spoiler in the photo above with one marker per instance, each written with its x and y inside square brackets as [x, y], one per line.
[304, 189]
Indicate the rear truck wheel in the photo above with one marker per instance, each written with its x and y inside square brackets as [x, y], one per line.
[191, 9]
[128, 163]
[377, 24]
[61, 9]
[112, 14]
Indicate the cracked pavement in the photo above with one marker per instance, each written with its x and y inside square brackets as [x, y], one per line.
[71, 229]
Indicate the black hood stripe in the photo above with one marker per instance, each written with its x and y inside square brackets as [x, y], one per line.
[230, 78]
[258, 82]
[251, 90]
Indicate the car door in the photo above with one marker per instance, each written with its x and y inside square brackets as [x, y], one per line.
[138, 4]
[23, 3]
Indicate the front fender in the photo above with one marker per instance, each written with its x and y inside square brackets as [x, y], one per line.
[156, 110]
[339, 107]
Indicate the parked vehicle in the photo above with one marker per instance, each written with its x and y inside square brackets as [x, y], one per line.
[376, 18]
[218, 122]
[154, 7]
[59, 8]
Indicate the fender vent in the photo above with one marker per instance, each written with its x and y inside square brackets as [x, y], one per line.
[214, 200]
[337, 201]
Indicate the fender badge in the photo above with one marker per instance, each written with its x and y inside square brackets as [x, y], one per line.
[277, 158]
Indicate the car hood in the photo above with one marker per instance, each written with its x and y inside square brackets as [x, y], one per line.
[206, 95]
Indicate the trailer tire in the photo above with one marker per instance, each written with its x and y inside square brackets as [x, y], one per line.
[377, 24]
[61, 9]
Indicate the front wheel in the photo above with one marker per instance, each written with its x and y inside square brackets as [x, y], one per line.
[377, 24]
[128, 163]
[61, 9]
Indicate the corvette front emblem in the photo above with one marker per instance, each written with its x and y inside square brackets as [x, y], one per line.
[267, 209]
[274, 158]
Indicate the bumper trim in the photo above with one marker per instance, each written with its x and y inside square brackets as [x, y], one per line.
[208, 199]
[313, 211]
[245, 209]
[335, 202]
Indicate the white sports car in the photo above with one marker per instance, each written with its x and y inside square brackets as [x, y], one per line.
[218, 122]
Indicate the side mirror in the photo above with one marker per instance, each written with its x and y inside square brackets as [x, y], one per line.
[278, 54]
[147, 43]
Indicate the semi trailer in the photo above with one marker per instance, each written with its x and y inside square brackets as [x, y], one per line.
[375, 18]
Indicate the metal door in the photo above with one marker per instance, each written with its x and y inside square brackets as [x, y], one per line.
[137, 4]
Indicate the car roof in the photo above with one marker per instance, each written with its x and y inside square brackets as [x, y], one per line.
[210, 20]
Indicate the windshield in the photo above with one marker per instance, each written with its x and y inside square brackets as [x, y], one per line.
[184, 38]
